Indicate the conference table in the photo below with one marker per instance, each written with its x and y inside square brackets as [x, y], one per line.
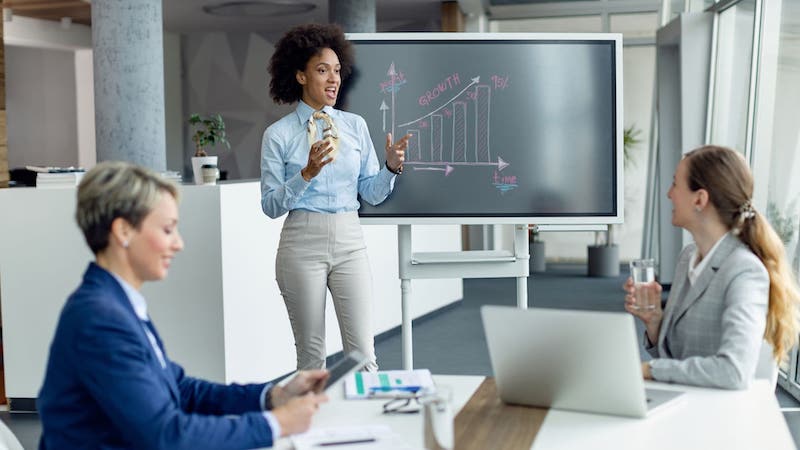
[703, 418]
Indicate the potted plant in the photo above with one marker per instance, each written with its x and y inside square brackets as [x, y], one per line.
[206, 131]
[603, 256]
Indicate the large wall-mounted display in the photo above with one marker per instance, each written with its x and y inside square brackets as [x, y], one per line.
[515, 128]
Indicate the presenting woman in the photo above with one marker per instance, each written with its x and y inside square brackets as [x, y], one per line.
[315, 162]
[109, 382]
[732, 289]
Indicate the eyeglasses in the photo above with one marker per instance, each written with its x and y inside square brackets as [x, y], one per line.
[402, 405]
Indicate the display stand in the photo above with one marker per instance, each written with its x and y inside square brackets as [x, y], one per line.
[465, 264]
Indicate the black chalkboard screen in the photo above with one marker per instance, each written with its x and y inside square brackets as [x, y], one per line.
[505, 128]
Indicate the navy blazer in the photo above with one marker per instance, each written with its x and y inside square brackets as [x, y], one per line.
[105, 388]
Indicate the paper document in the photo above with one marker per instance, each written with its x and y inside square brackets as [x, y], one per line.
[388, 384]
[369, 437]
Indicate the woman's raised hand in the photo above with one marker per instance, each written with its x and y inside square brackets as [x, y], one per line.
[317, 159]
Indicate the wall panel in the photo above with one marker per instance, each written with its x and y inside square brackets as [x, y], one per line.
[3, 147]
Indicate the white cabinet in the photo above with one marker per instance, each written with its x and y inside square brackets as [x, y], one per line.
[219, 312]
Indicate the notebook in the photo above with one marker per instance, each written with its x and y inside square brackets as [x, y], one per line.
[564, 359]
[388, 384]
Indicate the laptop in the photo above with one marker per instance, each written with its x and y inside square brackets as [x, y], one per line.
[564, 359]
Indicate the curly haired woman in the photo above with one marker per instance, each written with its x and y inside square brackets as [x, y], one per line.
[315, 162]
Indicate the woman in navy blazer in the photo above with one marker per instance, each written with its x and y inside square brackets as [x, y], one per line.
[733, 288]
[109, 383]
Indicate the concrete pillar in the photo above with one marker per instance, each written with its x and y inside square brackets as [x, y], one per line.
[354, 16]
[129, 81]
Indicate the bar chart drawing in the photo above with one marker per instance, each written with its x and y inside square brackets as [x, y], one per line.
[465, 117]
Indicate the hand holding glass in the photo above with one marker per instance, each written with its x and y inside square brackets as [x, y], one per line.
[643, 273]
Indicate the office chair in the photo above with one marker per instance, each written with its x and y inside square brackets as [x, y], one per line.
[766, 369]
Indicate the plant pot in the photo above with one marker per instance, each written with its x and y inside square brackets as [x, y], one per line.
[603, 261]
[537, 262]
[197, 164]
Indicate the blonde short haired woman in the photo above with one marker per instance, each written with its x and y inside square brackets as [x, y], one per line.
[109, 382]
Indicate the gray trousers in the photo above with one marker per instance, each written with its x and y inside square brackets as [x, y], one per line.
[319, 252]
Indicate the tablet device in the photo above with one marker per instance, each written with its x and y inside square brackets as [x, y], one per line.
[350, 363]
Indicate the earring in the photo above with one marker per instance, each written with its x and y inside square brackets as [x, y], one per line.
[125, 244]
[697, 208]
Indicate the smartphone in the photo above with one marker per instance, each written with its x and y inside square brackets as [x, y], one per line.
[350, 363]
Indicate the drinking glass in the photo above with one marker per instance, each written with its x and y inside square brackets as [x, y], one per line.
[642, 273]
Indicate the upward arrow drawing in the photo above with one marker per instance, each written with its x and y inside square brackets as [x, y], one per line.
[383, 109]
[392, 75]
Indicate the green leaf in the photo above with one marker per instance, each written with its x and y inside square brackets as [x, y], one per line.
[208, 130]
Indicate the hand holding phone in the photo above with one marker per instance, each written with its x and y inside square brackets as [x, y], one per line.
[350, 363]
[298, 384]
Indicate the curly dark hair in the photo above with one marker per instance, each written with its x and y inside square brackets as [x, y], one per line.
[293, 51]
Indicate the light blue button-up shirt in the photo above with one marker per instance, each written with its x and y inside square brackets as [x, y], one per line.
[284, 153]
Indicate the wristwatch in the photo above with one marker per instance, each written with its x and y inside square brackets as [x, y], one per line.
[396, 172]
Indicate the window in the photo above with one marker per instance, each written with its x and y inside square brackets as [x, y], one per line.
[575, 24]
[732, 80]
[783, 194]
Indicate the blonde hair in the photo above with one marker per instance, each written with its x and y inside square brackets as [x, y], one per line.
[115, 189]
[724, 174]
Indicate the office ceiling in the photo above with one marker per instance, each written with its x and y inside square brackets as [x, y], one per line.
[239, 15]
[189, 15]
[276, 16]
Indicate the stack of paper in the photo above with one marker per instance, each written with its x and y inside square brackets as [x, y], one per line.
[357, 437]
[173, 176]
[58, 179]
[388, 384]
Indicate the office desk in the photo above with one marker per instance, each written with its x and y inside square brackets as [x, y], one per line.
[704, 418]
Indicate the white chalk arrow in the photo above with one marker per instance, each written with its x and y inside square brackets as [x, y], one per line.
[384, 107]
[501, 164]
[446, 169]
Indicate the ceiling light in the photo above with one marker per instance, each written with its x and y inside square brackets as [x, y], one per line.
[253, 8]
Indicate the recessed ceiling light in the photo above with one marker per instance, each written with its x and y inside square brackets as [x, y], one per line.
[254, 8]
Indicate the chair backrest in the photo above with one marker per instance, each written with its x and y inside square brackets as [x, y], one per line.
[766, 369]
[7, 438]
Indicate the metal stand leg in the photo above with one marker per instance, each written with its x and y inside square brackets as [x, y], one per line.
[408, 351]
[522, 292]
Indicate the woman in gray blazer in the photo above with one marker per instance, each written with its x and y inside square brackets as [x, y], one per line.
[732, 289]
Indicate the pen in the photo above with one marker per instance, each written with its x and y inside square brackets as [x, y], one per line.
[412, 389]
[352, 441]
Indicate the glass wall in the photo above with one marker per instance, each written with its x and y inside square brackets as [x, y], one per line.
[732, 80]
[777, 153]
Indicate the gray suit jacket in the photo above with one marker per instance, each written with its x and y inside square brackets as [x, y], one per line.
[712, 331]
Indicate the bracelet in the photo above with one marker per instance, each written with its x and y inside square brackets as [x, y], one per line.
[396, 172]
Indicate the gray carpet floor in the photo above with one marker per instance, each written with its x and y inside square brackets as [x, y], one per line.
[451, 340]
